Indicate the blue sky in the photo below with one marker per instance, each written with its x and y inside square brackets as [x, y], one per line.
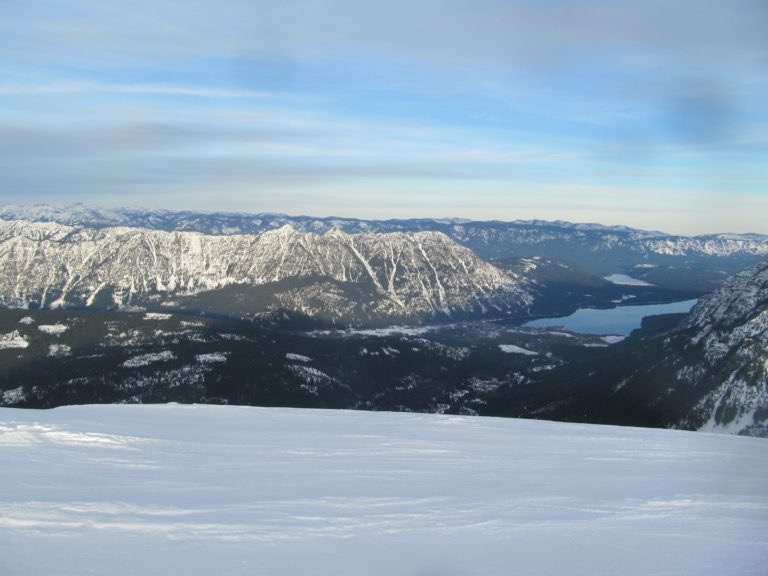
[650, 114]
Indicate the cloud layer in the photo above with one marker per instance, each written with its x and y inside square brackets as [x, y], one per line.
[580, 110]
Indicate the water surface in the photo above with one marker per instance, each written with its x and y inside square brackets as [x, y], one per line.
[619, 320]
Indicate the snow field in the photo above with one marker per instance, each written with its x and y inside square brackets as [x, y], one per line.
[53, 329]
[13, 340]
[512, 349]
[625, 280]
[147, 359]
[199, 490]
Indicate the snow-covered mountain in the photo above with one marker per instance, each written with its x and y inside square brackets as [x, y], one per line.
[334, 275]
[727, 354]
[708, 373]
[254, 223]
[597, 248]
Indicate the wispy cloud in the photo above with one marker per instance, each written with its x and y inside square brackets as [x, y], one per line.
[382, 105]
[15, 89]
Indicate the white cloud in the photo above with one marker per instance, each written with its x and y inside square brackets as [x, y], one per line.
[590, 110]
[14, 89]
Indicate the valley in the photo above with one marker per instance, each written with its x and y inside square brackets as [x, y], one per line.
[390, 315]
[57, 357]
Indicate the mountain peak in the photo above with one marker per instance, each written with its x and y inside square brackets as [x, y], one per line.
[285, 230]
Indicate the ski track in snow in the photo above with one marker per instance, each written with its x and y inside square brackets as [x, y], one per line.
[199, 490]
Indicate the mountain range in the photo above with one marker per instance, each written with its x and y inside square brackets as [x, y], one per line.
[335, 276]
[595, 248]
[155, 306]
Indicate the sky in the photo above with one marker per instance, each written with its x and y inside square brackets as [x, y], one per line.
[650, 113]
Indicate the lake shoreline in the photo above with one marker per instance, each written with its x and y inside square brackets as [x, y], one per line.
[621, 319]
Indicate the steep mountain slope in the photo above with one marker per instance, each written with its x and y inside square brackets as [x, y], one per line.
[729, 339]
[710, 372]
[704, 260]
[337, 276]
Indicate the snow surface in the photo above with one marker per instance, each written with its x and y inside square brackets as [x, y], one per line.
[147, 359]
[58, 350]
[13, 396]
[379, 332]
[53, 329]
[298, 357]
[200, 490]
[212, 357]
[157, 316]
[512, 349]
[625, 280]
[13, 340]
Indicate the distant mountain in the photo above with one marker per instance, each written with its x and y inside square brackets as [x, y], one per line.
[594, 248]
[223, 223]
[710, 372]
[335, 276]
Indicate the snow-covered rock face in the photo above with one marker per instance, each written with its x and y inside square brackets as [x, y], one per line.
[742, 299]
[407, 274]
[709, 245]
[729, 335]
[486, 238]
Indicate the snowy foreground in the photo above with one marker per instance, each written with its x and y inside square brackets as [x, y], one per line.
[202, 490]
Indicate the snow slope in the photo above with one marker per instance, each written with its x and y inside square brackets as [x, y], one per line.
[125, 490]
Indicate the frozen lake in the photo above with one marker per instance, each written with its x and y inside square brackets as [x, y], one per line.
[619, 320]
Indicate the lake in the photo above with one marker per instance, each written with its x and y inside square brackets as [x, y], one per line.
[619, 320]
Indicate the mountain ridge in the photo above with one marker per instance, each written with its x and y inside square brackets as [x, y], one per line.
[595, 248]
[108, 217]
[98, 217]
[729, 333]
[411, 274]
